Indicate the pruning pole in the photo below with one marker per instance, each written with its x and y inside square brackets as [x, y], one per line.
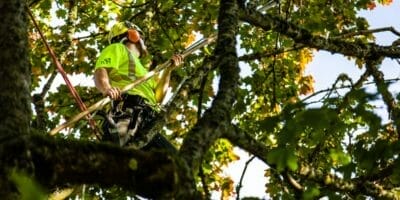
[100, 104]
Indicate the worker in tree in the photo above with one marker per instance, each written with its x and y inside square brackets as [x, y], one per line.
[118, 65]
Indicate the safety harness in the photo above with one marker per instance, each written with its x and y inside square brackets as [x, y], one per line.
[125, 118]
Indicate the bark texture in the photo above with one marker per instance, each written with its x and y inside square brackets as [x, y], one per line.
[15, 112]
[58, 162]
[15, 100]
[217, 119]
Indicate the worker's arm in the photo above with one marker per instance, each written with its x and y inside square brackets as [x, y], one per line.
[164, 78]
[102, 83]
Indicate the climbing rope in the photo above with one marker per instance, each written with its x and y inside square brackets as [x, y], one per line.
[98, 105]
[60, 69]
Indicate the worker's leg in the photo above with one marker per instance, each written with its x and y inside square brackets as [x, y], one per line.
[108, 134]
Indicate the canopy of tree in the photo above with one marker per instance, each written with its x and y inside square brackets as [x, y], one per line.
[335, 147]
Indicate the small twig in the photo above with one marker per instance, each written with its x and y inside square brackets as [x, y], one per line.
[238, 187]
[48, 84]
[263, 54]
[201, 171]
[129, 6]
[346, 87]
[365, 32]
[163, 25]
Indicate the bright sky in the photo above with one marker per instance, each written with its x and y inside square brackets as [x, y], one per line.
[325, 68]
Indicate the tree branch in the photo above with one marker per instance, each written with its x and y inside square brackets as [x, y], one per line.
[299, 35]
[54, 163]
[365, 32]
[394, 111]
[216, 119]
[130, 6]
[352, 186]
[239, 186]
[259, 55]
[306, 172]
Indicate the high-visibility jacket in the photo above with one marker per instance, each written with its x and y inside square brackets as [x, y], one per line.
[124, 67]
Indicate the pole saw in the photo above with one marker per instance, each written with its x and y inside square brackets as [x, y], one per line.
[100, 104]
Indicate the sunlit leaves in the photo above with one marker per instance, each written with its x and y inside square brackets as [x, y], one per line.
[190, 40]
[321, 16]
[305, 56]
[371, 5]
[227, 188]
[385, 2]
[219, 156]
[339, 158]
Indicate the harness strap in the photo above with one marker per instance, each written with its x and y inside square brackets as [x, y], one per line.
[131, 63]
[126, 118]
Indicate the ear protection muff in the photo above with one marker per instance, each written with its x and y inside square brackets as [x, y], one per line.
[133, 35]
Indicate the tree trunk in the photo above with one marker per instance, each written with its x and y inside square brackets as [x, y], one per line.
[15, 98]
[15, 113]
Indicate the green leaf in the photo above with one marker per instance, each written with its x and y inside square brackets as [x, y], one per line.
[283, 158]
[133, 164]
[61, 13]
[311, 193]
[347, 170]
[339, 158]
[270, 123]
[27, 186]
[291, 161]
[277, 156]
[395, 176]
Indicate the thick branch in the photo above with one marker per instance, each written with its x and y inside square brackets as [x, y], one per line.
[227, 62]
[302, 36]
[55, 163]
[353, 186]
[246, 142]
[215, 120]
